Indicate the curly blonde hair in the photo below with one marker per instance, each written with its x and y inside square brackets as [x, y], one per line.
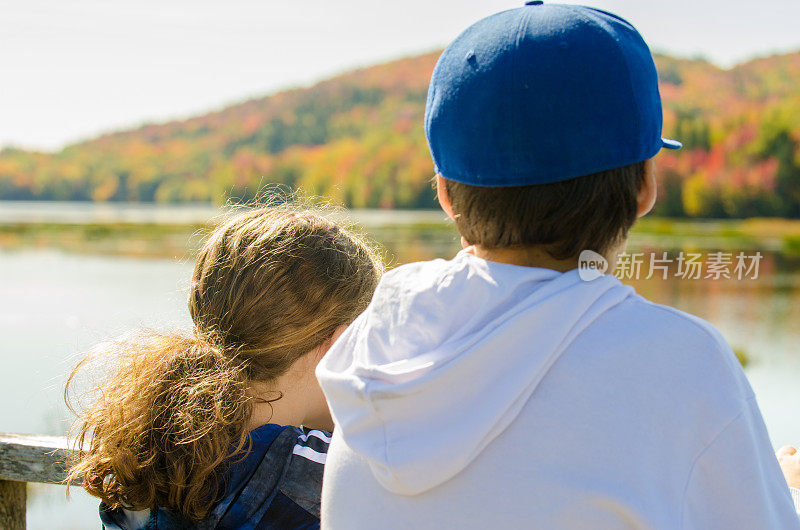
[269, 285]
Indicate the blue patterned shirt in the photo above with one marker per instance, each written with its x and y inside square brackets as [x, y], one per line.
[275, 487]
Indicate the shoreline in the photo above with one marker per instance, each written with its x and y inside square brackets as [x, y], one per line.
[157, 230]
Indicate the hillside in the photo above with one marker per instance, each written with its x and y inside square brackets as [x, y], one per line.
[358, 140]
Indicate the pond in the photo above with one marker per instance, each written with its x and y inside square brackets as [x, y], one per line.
[68, 287]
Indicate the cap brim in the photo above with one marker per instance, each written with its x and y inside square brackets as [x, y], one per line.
[670, 144]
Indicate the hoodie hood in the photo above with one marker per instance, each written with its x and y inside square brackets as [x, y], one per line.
[446, 356]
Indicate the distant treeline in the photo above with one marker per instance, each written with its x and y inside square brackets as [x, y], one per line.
[358, 140]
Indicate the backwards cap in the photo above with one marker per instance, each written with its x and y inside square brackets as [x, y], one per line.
[543, 93]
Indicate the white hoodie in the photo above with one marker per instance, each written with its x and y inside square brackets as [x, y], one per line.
[474, 394]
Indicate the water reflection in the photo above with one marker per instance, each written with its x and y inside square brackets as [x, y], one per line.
[68, 288]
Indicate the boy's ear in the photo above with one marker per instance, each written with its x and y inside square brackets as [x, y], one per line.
[649, 190]
[444, 198]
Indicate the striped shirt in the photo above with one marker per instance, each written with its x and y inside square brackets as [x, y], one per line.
[275, 487]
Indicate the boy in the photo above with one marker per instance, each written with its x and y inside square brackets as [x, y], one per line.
[499, 389]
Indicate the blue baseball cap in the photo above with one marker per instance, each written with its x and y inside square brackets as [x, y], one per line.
[543, 93]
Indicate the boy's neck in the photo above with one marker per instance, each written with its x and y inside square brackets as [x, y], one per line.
[524, 256]
[533, 257]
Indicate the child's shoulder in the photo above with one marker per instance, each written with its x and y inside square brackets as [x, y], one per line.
[279, 478]
[664, 321]
[418, 279]
[422, 271]
[447, 277]
[675, 341]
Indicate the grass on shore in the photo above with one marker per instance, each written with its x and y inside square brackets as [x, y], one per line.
[777, 235]
[180, 241]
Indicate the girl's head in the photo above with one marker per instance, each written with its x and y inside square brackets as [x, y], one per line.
[270, 288]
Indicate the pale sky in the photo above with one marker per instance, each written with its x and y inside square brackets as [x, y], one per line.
[71, 69]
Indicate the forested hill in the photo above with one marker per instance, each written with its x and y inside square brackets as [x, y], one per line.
[358, 139]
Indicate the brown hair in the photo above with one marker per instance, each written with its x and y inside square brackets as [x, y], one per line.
[592, 212]
[268, 286]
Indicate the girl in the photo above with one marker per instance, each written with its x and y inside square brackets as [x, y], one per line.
[194, 430]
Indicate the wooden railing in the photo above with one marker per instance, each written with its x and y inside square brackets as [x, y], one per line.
[27, 458]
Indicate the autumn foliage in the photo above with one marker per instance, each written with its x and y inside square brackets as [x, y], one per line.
[358, 139]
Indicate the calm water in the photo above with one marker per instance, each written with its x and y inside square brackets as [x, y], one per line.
[57, 304]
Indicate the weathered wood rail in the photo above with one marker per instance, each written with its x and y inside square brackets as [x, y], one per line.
[27, 458]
